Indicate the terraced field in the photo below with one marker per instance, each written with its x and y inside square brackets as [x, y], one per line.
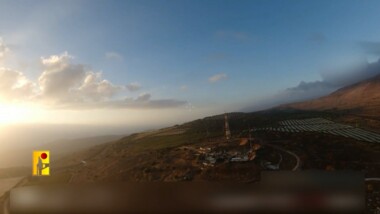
[324, 126]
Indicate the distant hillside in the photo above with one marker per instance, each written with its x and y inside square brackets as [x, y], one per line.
[58, 149]
[362, 98]
[66, 146]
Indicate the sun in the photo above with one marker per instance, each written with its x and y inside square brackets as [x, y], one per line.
[15, 113]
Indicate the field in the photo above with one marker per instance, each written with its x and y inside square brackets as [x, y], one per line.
[323, 126]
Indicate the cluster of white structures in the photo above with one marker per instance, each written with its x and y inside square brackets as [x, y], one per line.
[324, 126]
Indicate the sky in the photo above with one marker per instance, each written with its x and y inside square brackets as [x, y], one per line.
[157, 63]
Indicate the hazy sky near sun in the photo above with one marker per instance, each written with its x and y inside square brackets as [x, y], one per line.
[166, 62]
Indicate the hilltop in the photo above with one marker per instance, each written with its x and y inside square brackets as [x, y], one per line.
[362, 98]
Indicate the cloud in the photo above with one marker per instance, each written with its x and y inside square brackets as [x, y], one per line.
[308, 86]
[145, 101]
[331, 81]
[350, 74]
[64, 81]
[67, 85]
[134, 86]
[113, 56]
[96, 88]
[163, 103]
[217, 77]
[14, 85]
[370, 47]
[129, 103]
[60, 77]
[3, 49]
[143, 97]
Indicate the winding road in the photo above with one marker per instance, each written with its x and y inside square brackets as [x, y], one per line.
[298, 163]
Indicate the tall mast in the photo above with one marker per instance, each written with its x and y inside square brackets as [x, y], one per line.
[250, 137]
[227, 127]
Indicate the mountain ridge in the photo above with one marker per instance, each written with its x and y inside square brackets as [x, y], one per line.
[362, 97]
